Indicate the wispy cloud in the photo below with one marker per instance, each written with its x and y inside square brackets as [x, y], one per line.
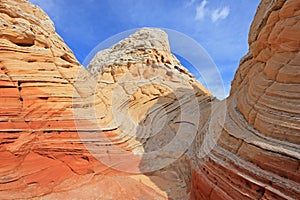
[220, 14]
[215, 14]
[189, 3]
[201, 10]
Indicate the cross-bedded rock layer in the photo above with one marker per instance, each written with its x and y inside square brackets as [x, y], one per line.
[257, 151]
[65, 133]
[42, 155]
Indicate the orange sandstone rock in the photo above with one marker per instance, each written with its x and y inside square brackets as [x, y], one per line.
[256, 153]
[67, 134]
[41, 153]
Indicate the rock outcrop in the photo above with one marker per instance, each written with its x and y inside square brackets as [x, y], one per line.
[36, 121]
[137, 125]
[151, 104]
[257, 154]
[41, 153]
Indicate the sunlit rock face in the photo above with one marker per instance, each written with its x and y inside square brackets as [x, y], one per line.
[152, 104]
[47, 136]
[137, 125]
[41, 153]
[257, 152]
[143, 87]
[36, 120]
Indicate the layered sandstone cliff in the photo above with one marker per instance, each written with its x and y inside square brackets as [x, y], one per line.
[52, 146]
[151, 104]
[137, 125]
[256, 154]
[41, 152]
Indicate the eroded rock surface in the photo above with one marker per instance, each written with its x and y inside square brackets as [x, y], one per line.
[151, 103]
[42, 155]
[137, 125]
[257, 152]
[47, 136]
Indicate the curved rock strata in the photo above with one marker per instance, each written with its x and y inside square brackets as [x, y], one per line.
[41, 153]
[257, 153]
[151, 103]
[137, 125]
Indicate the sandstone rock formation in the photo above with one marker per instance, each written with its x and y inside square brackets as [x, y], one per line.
[41, 153]
[257, 153]
[130, 128]
[151, 104]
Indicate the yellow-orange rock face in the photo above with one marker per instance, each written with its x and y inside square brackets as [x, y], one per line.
[151, 103]
[257, 153]
[57, 122]
[41, 153]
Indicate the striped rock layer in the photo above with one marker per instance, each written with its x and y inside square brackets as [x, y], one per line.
[137, 125]
[42, 154]
[257, 151]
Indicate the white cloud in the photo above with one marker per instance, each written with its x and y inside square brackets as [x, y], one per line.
[201, 10]
[189, 3]
[220, 14]
[215, 14]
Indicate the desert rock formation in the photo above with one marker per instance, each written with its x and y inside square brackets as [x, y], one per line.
[257, 153]
[130, 126]
[141, 92]
[41, 152]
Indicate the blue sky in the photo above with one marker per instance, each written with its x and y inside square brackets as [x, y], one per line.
[220, 26]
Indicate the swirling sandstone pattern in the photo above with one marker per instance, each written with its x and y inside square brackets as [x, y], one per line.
[257, 152]
[151, 103]
[41, 153]
[57, 121]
